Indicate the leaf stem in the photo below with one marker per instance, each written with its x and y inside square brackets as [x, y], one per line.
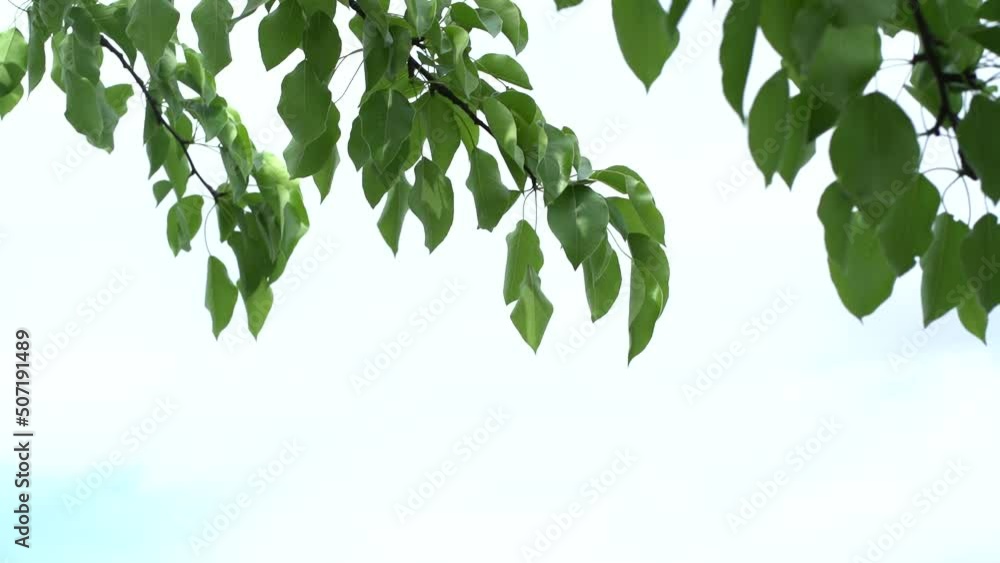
[933, 60]
[436, 86]
[155, 108]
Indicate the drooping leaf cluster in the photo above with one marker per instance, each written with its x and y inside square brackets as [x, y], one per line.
[426, 99]
[883, 214]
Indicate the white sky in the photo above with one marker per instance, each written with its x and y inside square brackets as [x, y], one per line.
[74, 218]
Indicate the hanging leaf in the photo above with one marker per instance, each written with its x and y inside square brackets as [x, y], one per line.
[183, 222]
[433, 202]
[646, 36]
[220, 295]
[533, 310]
[579, 218]
[523, 254]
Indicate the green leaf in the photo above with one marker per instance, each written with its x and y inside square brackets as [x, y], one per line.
[83, 106]
[505, 68]
[533, 310]
[386, 123]
[439, 122]
[835, 212]
[624, 218]
[13, 60]
[8, 102]
[981, 261]
[326, 8]
[977, 138]
[602, 278]
[514, 26]
[211, 23]
[579, 219]
[562, 4]
[874, 150]
[322, 46]
[421, 14]
[990, 10]
[306, 159]
[390, 224]
[504, 128]
[905, 232]
[220, 295]
[777, 21]
[484, 19]
[258, 305]
[650, 289]
[523, 254]
[183, 222]
[855, 12]
[491, 197]
[863, 277]
[36, 48]
[151, 25]
[433, 202]
[556, 166]
[645, 35]
[988, 37]
[973, 316]
[304, 99]
[161, 189]
[797, 149]
[844, 63]
[767, 118]
[943, 278]
[324, 177]
[463, 71]
[280, 33]
[376, 51]
[117, 97]
[645, 207]
[739, 35]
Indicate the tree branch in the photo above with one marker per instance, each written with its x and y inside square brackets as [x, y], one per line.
[154, 107]
[436, 86]
[933, 60]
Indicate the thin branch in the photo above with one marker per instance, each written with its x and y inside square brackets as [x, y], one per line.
[436, 86]
[154, 107]
[933, 60]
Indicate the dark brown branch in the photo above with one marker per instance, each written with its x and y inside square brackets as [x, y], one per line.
[438, 87]
[933, 60]
[154, 107]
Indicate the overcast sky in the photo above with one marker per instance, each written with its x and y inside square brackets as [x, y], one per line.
[152, 436]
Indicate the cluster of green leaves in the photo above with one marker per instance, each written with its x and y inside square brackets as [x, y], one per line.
[882, 214]
[425, 97]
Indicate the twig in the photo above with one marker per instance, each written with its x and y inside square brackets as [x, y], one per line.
[154, 107]
[436, 86]
[933, 60]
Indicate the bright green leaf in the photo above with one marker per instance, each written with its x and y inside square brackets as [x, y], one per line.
[579, 218]
[220, 295]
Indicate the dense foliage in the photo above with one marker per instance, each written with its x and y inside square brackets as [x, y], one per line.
[426, 97]
[883, 214]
